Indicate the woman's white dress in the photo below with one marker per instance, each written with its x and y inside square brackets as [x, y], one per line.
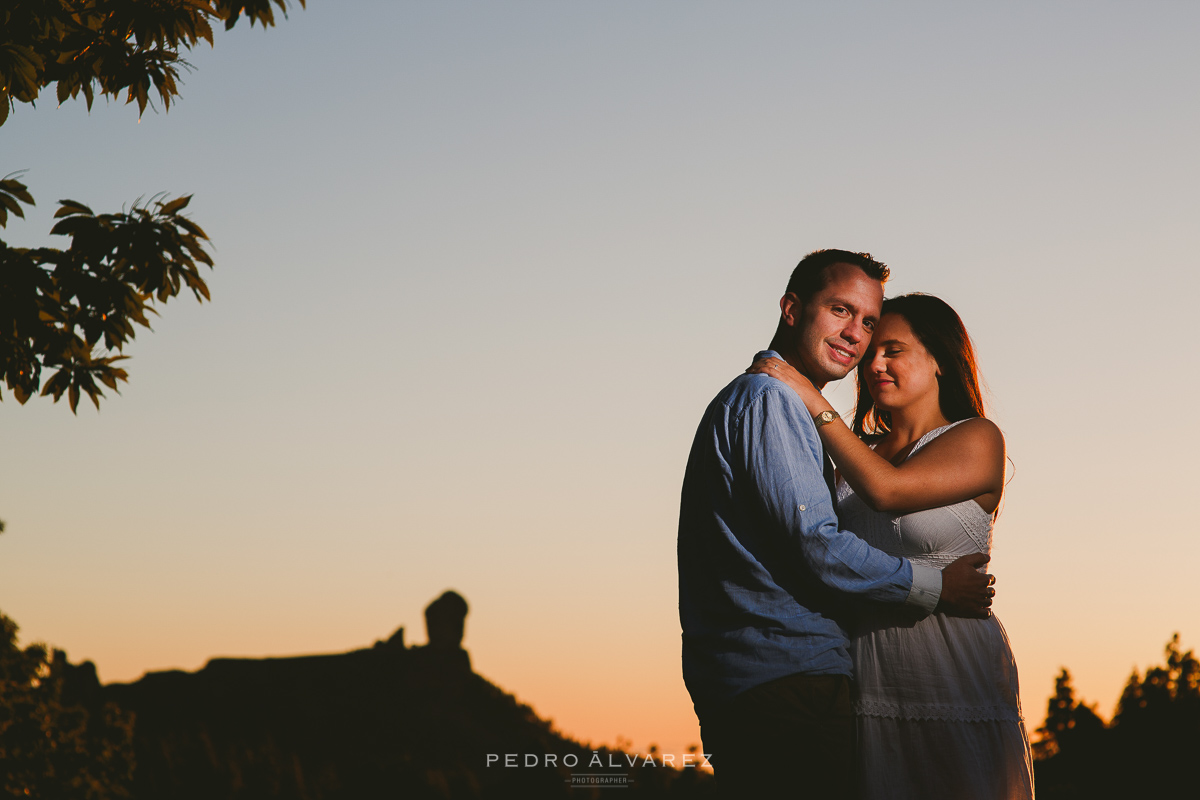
[938, 710]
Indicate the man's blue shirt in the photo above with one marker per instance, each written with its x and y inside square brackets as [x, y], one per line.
[763, 564]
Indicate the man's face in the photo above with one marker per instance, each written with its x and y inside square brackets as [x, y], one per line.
[834, 329]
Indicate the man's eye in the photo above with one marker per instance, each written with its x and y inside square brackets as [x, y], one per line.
[839, 309]
[869, 325]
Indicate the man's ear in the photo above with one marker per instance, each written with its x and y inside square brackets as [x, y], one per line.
[790, 309]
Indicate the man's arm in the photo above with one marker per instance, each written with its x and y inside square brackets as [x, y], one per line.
[780, 449]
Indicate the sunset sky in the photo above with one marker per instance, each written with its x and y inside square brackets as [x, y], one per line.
[481, 266]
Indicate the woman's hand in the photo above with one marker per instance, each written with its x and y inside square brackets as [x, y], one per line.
[781, 370]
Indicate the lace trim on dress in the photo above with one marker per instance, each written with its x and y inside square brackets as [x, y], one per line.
[874, 708]
[963, 511]
[981, 538]
[930, 436]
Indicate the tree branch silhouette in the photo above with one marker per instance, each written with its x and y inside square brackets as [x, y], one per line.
[72, 310]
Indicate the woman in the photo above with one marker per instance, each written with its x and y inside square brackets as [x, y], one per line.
[939, 714]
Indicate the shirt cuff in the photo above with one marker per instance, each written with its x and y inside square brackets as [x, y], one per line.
[926, 588]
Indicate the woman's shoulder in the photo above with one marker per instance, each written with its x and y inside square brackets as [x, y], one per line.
[978, 427]
[974, 433]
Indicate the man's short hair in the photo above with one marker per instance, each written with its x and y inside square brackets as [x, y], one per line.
[811, 275]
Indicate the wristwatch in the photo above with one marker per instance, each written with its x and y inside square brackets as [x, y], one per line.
[825, 417]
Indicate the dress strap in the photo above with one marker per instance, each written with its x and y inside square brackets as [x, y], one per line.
[933, 434]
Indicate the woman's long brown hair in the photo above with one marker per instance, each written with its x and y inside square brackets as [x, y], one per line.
[941, 331]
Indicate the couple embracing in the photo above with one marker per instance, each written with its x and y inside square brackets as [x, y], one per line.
[837, 641]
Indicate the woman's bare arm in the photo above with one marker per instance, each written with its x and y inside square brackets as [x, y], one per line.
[964, 463]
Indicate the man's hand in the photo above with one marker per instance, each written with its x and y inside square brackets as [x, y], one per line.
[967, 592]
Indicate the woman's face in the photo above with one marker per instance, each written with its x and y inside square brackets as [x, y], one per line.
[899, 370]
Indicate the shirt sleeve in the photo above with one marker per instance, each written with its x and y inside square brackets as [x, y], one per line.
[926, 588]
[782, 455]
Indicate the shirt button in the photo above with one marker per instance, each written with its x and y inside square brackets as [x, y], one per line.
[802, 508]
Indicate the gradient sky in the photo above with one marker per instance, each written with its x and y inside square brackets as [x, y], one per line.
[481, 266]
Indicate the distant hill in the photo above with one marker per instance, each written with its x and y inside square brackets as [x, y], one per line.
[389, 721]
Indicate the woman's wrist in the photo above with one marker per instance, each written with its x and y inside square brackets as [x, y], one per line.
[819, 405]
[823, 418]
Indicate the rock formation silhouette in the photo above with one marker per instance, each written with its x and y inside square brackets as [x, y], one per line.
[445, 619]
[386, 721]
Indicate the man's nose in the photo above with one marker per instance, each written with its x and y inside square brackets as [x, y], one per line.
[854, 332]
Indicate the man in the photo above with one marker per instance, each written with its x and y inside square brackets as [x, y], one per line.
[764, 567]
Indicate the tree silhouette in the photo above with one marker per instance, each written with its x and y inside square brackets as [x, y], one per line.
[73, 310]
[1069, 725]
[58, 739]
[1156, 728]
[109, 46]
[1148, 750]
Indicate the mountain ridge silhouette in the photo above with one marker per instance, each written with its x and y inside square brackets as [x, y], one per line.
[383, 721]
